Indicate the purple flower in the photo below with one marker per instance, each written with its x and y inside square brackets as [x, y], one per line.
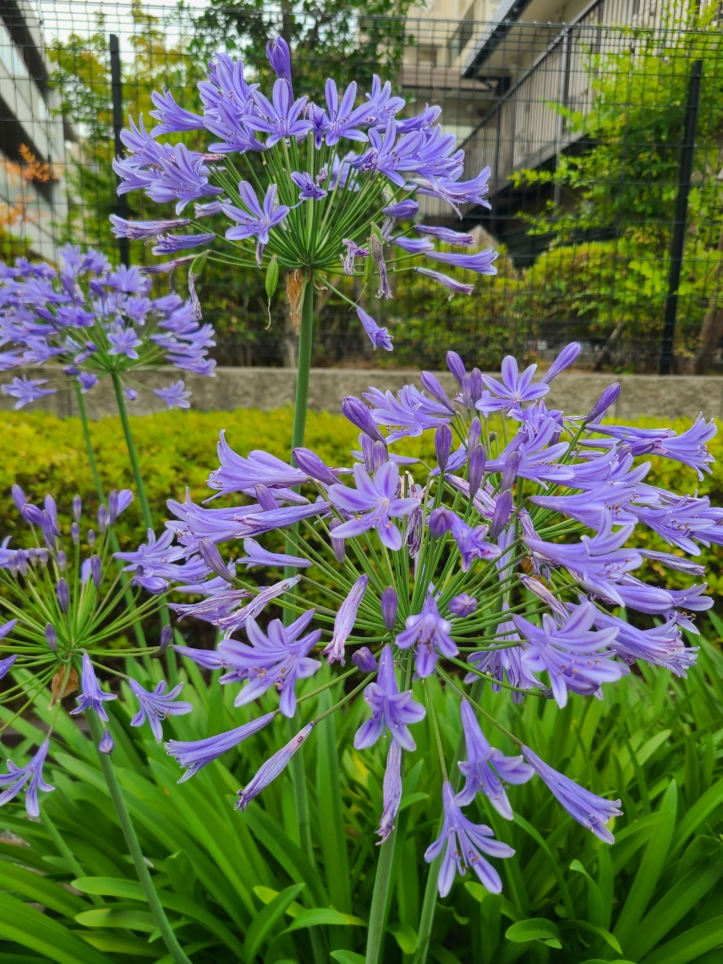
[482, 262]
[430, 632]
[157, 706]
[344, 621]
[409, 414]
[87, 381]
[170, 243]
[31, 774]
[174, 119]
[310, 463]
[26, 390]
[230, 621]
[256, 555]
[208, 658]
[392, 790]
[91, 696]
[272, 768]
[364, 659]
[310, 190]
[456, 287]
[513, 390]
[373, 504]
[471, 542]
[390, 708]
[391, 157]
[239, 474]
[688, 448]
[255, 221]
[106, 744]
[174, 395]
[278, 117]
[193, 755]
[278, 660]
[445, 235]
[456, 193]
[588, 809]
[379, 337]
[463, 605]
[402, 209]
[575, 658]
[413, 245]
[140, 230]
[124, 341]
[342, 119]
[486, 768]
[566, 357]
[390, 603]
[461, 840]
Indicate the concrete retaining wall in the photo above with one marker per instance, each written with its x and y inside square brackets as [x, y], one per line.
[675, 396]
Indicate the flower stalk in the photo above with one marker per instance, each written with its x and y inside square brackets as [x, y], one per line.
[134, 848]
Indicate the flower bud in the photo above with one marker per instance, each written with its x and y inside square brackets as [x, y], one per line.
[75, 533]
[509, 471]
[21, 559]
[43, 556]
[46, 524]
[463, 605]
[63, 594]
[608, 398]
[364, 659]
[77, 508]
[12, 565]
[432, 384]
[501, 514]
[166, 637]
[390, 602]
[358, 414]
[443, 445]
[51, 637]
[106, 744]
[566, 357]
[212, 557]
[96, 571]
[310, 463]
[476, 469]
[18, 497]
[476, 384]
[456, 365]
[338, 545]
[62, 560]
[467, 391]
[440, 521]
[265, 498]
[91, 538]
[102, 518]
[475, 433]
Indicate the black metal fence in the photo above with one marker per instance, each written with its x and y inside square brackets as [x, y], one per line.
[605, 142]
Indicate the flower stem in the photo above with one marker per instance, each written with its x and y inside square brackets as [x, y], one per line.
[145, 507]
[132, 455]
[378, 912]
[144, 877]
[303, 368]
[130, 602]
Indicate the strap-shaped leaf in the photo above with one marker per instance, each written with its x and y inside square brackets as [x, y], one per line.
[690, 945]
[38, 932]
[267, 918]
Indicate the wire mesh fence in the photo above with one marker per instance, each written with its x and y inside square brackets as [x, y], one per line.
[587, 129]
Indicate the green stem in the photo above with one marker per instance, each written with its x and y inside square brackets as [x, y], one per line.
[131, 445]
[139, 862]
[171, 661]
[130, 601]
[303, 368]
[378, 912]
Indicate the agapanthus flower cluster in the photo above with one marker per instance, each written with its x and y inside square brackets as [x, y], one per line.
[278, 185]
[513, 561]
[61, 598]
[94, 319]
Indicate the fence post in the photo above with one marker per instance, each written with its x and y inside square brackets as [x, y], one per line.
[117, 92]
[681, 213]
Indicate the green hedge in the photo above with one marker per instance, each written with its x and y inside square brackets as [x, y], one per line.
[178, 450]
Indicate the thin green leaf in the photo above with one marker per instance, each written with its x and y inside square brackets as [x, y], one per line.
[266, 919]
[38, 932]
[690, 945]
